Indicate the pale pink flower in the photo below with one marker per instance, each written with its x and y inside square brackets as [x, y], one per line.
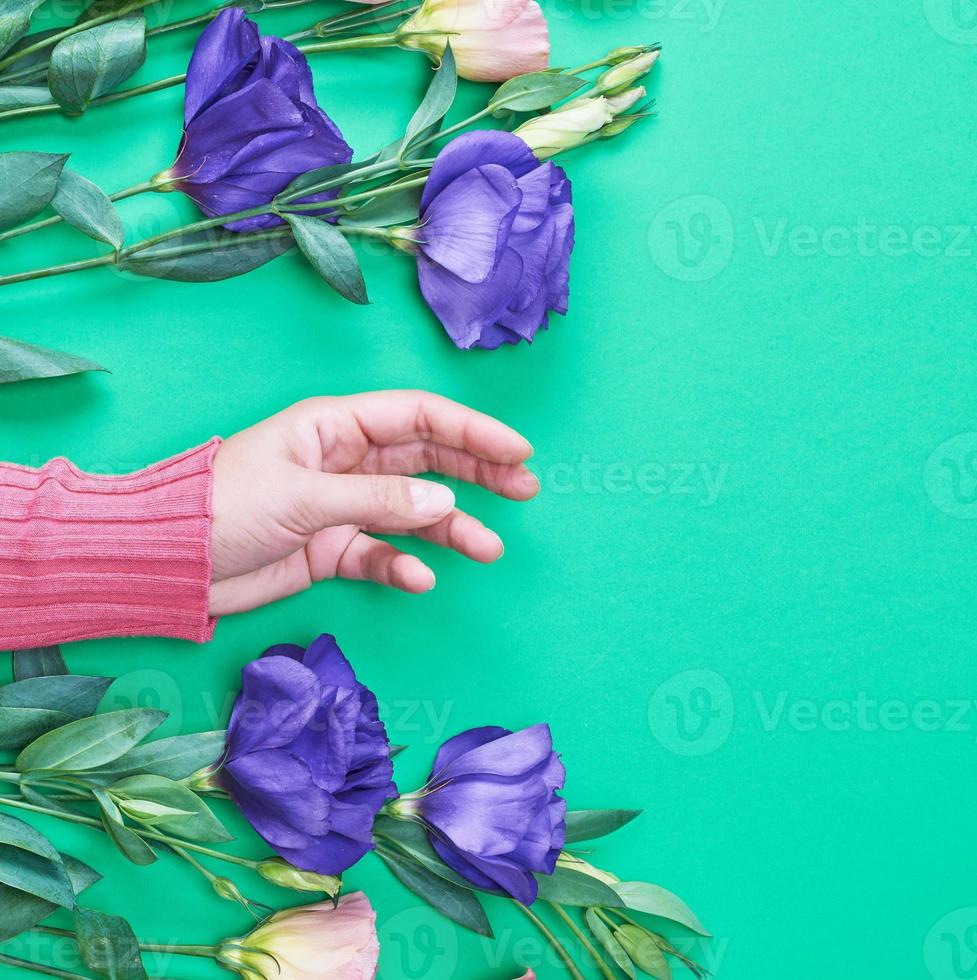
[492, 40]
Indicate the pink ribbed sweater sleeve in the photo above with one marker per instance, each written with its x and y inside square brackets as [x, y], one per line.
[85, 556]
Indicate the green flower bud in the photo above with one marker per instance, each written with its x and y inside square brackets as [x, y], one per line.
[227, 889]
[625, 74]
[642, 950]
[280, 872]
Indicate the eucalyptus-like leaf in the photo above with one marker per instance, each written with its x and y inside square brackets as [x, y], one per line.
[87, 207]
[108, 946]
[640, 896]
[535, 90]
[23, 96]
[28, 181]
[20, 361]
[437, 101]
[99, 8]
[321, 175]
[568, 887]
[209, 256]
[456, 903]
[127, 841]
[22, 911]
[20, 726]
[331, 256]
[15, 21]
[33, 62]
[591, 824]
[411, 838]
[400, 207]
[38, 662]
[76, 695]
[90, 742]
[168, 805]
[31, 795]
[93, 62]
[29, 862]
[175, 758]
[606, 938]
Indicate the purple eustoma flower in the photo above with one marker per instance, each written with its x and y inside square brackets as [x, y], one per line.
[494, 240]
[251, 122]
[491, 808]
[307, 759]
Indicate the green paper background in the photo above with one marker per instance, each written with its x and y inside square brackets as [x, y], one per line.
[744, 599]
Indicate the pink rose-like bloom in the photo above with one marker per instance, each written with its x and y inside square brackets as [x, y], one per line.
[309, 943]
[492, 40]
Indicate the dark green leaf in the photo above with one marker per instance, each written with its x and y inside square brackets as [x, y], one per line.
[22, 911]
[569, 887]
[76, 695]
[655, 900]
[15, 20]
[20, 726]
[28, 181]
[21, 96]
[126, 840]
[93, 62]
[90, 742]
[183, 812]
[175, 758]
[20, 361]
[38, 662]
[331, 256]
[108, 946]
[643, 951]
[319, 176]
[85, 206]
[456, 903]
[536, 90]
[606, 938]
[436, 102]
[395, 750]
[398, 208]
[591, 824]
[411, 838]
[208, 256]
[31, 66]
[31, 795]
[30, 863]
[98, 8]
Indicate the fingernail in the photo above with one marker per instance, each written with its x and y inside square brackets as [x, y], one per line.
[501, 544]
[532, 483]
[430, 499]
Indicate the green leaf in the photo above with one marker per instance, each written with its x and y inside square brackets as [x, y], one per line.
[412, 839]
[20, 361]
[98, 8]
[319, 176]
[436, 102]
[591, 824]
[15, 21]
[20, 726]
[397, 208]
[93, 62]
[38, 662]
[606, 938]
[90, 742]
[76, 695]
[639, 896]
[535, 90]
[456, 903]
[30, 863]
[643, 951]
[208, 256]
[175, 758]
[31, 795]
[568, 887]
[172, 807]
[22, 96]
[85, 206]
[22, 911]
[127, 841]
[108, 946]
[28, 181]
[331, 256]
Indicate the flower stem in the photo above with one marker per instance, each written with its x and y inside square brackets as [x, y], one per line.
[351, 43]
[552, 940]
[50, 971]
[145, 834]
[605, 970]
[208, 951]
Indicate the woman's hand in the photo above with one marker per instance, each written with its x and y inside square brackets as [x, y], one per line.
[297, 496]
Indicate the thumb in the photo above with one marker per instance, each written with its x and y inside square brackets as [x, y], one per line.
[397, 502]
